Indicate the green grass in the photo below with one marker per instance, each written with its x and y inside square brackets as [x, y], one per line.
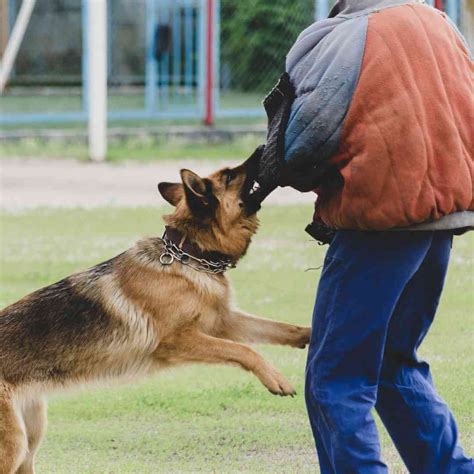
[144, 123]
[135, 149]
[70, 100]
[142, 147]
[212, 419]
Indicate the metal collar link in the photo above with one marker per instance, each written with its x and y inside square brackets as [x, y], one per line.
[172, 252]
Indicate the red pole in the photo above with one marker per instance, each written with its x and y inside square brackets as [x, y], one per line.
[438, 4]
[209, 98]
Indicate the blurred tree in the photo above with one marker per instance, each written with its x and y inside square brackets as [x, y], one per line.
[255, 37]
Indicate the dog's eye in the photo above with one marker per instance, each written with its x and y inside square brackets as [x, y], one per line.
[229, 177]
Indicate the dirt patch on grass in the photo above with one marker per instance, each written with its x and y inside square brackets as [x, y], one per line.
[27, 184]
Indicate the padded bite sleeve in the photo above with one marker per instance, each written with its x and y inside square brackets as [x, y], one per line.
[270, 170]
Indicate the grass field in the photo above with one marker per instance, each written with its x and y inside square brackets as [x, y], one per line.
[54, 100]
[212, 419]
[137, 149]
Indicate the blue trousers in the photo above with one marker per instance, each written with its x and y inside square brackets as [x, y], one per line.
[376, 300]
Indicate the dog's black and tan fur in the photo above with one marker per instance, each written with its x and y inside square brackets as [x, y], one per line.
[131, 315]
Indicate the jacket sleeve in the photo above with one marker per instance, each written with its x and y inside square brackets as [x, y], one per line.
[323, 66]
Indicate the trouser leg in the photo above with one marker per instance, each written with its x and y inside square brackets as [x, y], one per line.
[419, 422]
[363, 277]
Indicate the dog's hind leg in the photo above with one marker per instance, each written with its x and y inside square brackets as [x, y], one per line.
[13, 443]
[34, 416]
[242, 327]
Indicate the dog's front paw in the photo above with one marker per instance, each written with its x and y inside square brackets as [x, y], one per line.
[275, 382]
[278, 385]
[300, 337]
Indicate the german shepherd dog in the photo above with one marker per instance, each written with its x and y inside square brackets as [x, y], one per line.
[161, 303]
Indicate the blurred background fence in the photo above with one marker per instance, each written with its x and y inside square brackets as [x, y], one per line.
[166, 59]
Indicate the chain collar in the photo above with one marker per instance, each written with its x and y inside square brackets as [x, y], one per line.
[172, 251]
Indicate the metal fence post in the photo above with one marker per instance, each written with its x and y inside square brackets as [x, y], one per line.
[150, 66]
[452, 9]
[97, 78]
[189, 46]
[200, 96]
[217, 54]
[321, 9]
[14, 42]
[209, 89]
[177, 26]
[85, 58]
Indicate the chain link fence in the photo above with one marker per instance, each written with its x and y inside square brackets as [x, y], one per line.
[255, 36]
[154, 60]
[156, 56]
[46, 75]
[252, 39]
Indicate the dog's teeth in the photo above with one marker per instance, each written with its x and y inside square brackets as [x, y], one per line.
[255, 187]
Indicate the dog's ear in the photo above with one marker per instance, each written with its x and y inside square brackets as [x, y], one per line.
[172, 192]
[198, 192]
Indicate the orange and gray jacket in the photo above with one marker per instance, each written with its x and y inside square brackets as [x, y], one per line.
[382, 118]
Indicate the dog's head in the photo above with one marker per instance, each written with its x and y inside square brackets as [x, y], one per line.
[214, 211]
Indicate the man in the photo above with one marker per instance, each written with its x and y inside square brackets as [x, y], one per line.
[375, 113]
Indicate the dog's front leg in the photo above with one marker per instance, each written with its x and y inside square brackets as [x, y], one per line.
[195, 346]
[239, 326]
